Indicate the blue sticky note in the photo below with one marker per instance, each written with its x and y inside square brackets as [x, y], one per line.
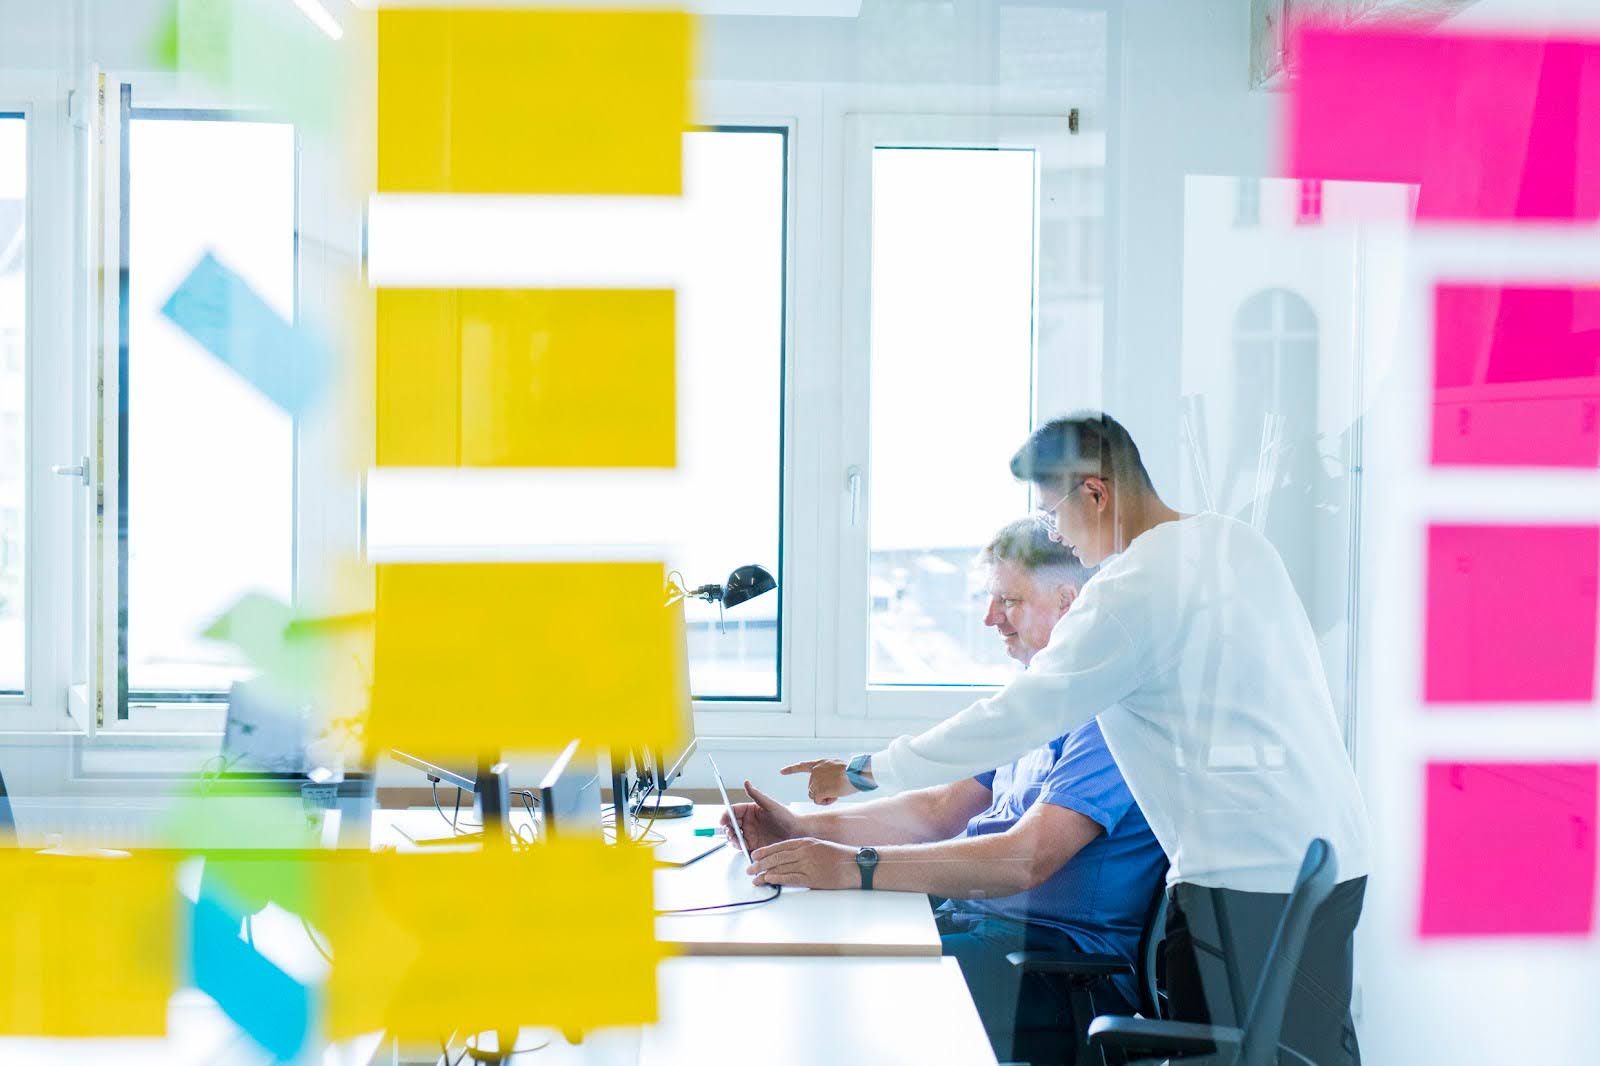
[268, 1004]
[227, 318]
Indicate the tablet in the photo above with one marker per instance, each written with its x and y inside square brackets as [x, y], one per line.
[727, 805]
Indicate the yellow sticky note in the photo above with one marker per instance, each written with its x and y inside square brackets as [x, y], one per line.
[561, 934]
[512, 377]
[478, 657]
[88, 946]
[519, 101]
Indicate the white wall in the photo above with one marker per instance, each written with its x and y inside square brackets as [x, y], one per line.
[1185, 108]
[61, 35]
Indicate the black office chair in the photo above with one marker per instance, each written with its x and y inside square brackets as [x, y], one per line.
[8, 821]
[1222, 1045]
[1080, 976]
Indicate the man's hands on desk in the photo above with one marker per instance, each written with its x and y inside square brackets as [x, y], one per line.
[806, 862]
[785, 850]
[766, 821]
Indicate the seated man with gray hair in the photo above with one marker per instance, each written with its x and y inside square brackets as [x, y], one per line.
[1049, 853]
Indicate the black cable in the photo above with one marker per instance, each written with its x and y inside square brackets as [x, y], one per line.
[527, 797]
[651, 824]
[777, 890]
[433, 783]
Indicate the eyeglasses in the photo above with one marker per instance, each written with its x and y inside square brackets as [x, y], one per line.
[1046, 516]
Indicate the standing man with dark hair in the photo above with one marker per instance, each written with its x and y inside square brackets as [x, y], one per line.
[1192, 648]
[1046, 853]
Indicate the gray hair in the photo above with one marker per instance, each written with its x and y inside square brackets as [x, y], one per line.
[1026, 543]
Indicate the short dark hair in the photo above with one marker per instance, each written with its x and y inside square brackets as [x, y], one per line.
[1027, 543]
[1083, 444]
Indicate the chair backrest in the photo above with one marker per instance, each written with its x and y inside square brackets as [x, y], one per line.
[8, 821]
[1155, 931]
[1312, 886]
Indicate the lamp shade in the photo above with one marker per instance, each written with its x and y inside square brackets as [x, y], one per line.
[746, 583]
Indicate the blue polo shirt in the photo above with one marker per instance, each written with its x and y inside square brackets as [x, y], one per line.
[1101, 896]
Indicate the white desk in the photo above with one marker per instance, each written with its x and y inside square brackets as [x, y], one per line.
[809, 1012]
[789, 1012]
[799, 922]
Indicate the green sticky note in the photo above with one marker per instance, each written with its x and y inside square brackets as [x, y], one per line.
[163, 48]
[256, 55]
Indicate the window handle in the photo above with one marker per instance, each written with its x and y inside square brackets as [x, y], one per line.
[81, 471]
[853, 481]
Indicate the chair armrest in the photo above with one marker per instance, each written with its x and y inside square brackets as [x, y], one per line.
[1069, 963]
[1152, 1034]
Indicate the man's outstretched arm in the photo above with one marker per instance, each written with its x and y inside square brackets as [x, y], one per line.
[982, 867]
[927, 814]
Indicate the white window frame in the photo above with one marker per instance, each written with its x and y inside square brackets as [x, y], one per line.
[49, 501]
[327, 515]
[860, 709]
[790, 715]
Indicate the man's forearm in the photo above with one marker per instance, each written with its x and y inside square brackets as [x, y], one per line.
[909, 818]
[970, 868]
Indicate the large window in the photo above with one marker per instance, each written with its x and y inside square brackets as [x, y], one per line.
[13, 442]
[727, 264]
[206, 506]
[731, 306]
[951, 384]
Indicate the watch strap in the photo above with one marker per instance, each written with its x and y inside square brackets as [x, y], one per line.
[867, 863]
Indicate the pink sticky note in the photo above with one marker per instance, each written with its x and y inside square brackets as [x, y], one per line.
[1516, 375]
[1509, 849]
[1491, 127]
[1511, 613]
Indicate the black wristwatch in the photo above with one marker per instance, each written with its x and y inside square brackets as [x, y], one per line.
[866, 862]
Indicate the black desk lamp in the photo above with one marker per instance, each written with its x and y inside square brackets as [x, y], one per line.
[745, 583]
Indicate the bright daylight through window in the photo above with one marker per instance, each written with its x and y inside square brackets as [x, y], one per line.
[13, 480]
[730, 364]
[207, 462]
[952, 381]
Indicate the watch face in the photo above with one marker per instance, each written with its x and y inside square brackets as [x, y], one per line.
[867, 856]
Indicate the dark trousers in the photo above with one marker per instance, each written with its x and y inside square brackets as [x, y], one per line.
[1217, 942]
[1027, 1018]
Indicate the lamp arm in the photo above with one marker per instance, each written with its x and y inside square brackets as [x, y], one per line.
[675, 590]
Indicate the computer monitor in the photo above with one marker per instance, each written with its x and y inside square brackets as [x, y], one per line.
[670, 763]
[461, 775]
[659, 768]
[569, 795]
[493, 788]
[663, 770]
[487, 781]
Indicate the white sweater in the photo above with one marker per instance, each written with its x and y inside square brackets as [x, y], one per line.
[1196, 654]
